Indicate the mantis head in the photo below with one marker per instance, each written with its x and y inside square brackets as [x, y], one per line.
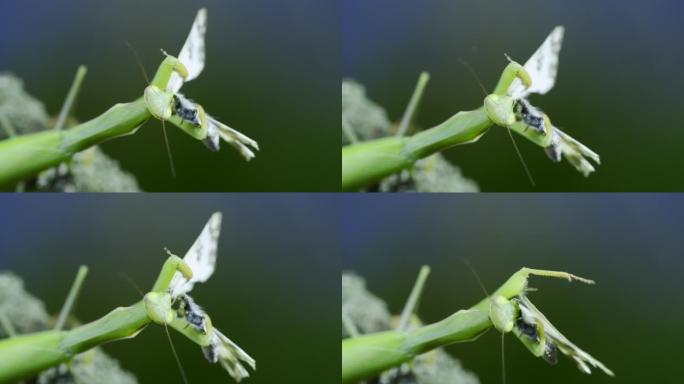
[499, 109]
[502, 313]
[158, 307]
[159, 103]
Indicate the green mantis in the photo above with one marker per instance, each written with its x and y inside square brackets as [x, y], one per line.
[24, 156]
[507, 310]
[167, 304]
[365, 163]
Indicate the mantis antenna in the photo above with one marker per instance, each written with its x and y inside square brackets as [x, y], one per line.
[479, 281]
[510, 134]
[147, 80]
[175, 355]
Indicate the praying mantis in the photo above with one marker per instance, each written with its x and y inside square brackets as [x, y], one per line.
[365, 163]
[24, 156]
[507, 310]
[168, 304]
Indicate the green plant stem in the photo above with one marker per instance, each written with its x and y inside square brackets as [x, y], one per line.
[70, 302]
[24, 356]
[365, 163]
[71, 98]
[24, 156]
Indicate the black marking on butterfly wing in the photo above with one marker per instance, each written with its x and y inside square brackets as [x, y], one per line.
[553, 152]
[212, 141]
[529, 330]
[533, 117]
[210, 353]
[186, 110]
[551, 353]
[186, 308]
[195, 315]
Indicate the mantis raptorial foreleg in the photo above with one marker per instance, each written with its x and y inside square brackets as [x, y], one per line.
[501, 108]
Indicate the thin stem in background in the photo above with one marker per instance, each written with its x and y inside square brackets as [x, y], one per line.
[72, 96]
[72, 297]
[413, 103]
[414, 298]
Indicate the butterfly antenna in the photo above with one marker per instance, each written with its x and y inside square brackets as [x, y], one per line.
[168, 150]
[175, 355]
[522, 159]
[140, 64]
[474, 74]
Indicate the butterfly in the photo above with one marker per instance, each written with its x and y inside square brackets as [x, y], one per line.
[201, 259]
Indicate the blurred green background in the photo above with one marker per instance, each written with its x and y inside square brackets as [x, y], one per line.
[275, 290]
[631, 244]
[618, 88]
[272, 70]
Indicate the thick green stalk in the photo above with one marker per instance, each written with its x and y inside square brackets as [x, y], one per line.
[27, 355]
[24, 156]
[366, 163]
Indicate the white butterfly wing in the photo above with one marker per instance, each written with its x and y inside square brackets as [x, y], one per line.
[542, 67]
[193, 53]
[201, 258]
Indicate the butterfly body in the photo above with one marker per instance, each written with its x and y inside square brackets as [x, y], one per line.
[186, 109]
[186, 308]
[531, 116]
